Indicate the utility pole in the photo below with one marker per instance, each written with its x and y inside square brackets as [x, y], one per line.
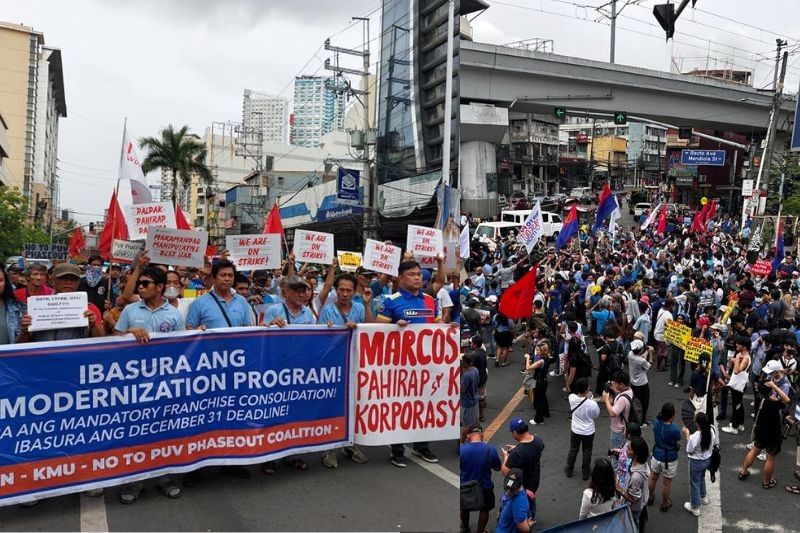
[448, 91]
[781, 43]
[613, 28]
[766, 156]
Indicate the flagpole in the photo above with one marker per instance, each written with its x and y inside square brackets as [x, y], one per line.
[116, 196]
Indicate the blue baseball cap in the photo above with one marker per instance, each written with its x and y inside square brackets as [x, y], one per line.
[517, 425]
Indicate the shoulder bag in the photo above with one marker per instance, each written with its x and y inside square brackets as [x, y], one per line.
[472, 491]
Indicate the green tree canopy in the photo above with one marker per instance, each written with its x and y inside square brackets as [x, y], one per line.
[14, 228]
[179, 153]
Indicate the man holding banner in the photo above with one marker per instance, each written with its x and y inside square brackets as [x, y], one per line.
[410, 305]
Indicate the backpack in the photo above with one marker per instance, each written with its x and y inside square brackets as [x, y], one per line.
[615, 358]
[635, 412]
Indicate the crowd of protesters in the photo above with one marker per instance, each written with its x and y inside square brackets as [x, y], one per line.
[597, 332]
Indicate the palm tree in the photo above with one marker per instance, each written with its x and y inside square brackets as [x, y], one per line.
[178, 152]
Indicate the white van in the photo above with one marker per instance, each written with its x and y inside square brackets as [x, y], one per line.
[641, 208]
[490, 232]
[580, 192]
[551, 222]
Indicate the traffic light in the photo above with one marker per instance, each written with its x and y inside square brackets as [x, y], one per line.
[560, 112]
[620, 117]
[684, 133]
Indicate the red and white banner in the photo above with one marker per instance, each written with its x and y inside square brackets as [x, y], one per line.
[177, 247]
[424, 242]
[382, 257]
[255, 252]
[141, 216]
[130, 168]
[762, 268]
[407, 383]
[313, 247]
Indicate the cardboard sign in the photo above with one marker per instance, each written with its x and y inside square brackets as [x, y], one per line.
[349, 261]
[696, 346]
[382, 257]
[176, 247]
[58, 311]
[141, 216]
[424, 242]
[255, 252]
[313, 247]
[677, 334]
[45, 251]
[125, 251]
[761, 268]
[410, 397]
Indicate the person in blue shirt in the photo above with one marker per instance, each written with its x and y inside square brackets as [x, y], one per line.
[478, 459]
[151, 314]
[665, 454]
[514, 505]
[294, 310]
[345, 311]
[220, 307]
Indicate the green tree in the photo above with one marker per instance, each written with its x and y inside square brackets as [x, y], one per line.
[179, 153]
[15, 231]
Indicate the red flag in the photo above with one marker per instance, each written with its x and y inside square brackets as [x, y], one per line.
[114, 227]
[662, 221]
[76, 243]
[517, 301]
[712, 210]
[180, 219]
[699, 221]
[273, 222]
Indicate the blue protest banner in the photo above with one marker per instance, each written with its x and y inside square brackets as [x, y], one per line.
[83, 414]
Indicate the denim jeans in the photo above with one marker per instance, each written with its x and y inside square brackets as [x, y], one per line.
[697, 480]
[677, 365]
[617, 440]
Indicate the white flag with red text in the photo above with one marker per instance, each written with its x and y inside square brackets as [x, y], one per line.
[130, 168]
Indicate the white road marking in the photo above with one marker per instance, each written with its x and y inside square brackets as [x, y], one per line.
[750, 525]
[93, 514]
[436, 469]
[710, 520]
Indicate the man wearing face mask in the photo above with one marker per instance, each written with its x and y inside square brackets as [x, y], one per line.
[94, 283]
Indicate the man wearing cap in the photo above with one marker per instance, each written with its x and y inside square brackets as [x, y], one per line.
[525, 456]
[514, 507]
[294, 310]
[478, 459]
[15, 276]
[220, 307]
[66, 279]
[409, 305]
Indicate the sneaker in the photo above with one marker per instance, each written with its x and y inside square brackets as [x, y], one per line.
[399, 462]
[741, 428]
[329, 459]
[688, 507]
[670, 384]
[94, 493]
[567, 471]
[646, 424]
[752, 404]
[552, 373]
[730, 429]
[426, 455]
[762, 456]
[705, 500]
[534, 422]
[750, 446]
[677, 385]
[355, 455]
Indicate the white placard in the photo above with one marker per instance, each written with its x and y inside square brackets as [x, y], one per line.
[382, 257]
[125, 251]
[424, 242]
[176, 247]
[313, 247]
[58, 311]
[747, 188]
[349, 261]
[141, 216]
[255, 252]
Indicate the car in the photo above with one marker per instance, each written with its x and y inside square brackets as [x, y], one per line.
[490, 232]
[641, 208]
[551, 222]
[580, 192]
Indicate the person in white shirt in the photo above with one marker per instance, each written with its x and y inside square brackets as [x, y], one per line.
[699, 446]
[445, 304]
[598, 498]
[584, 411]
[664, 315]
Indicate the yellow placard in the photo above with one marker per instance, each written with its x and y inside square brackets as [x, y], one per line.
[349, 261]
[677, 334]
[695, 347]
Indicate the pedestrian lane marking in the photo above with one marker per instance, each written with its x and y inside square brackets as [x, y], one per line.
[93, 514]
[436, 469]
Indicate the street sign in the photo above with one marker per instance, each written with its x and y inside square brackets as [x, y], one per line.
[347, 187]
[620, 117]
[560, 112]
[747, 188]
[795, 144]
[703, 157]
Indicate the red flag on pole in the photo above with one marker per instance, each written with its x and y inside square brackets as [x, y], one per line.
[699, 221]
[273, 222]
[517, 301]
[76, 243]
[180, 219]
[712, 210]
[662, 221]
[113, 228]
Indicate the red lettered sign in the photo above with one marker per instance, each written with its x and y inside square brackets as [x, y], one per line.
[761, 268]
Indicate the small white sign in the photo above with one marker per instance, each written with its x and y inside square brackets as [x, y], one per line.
[255, 252]
[176, 247]
[382, 257]
[141, 216]
[424, 242]
[313, 247]
[58, 311]
[747, 188]
[125, 251]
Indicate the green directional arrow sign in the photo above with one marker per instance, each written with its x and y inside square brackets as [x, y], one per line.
[620, 117]
[560, 112]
